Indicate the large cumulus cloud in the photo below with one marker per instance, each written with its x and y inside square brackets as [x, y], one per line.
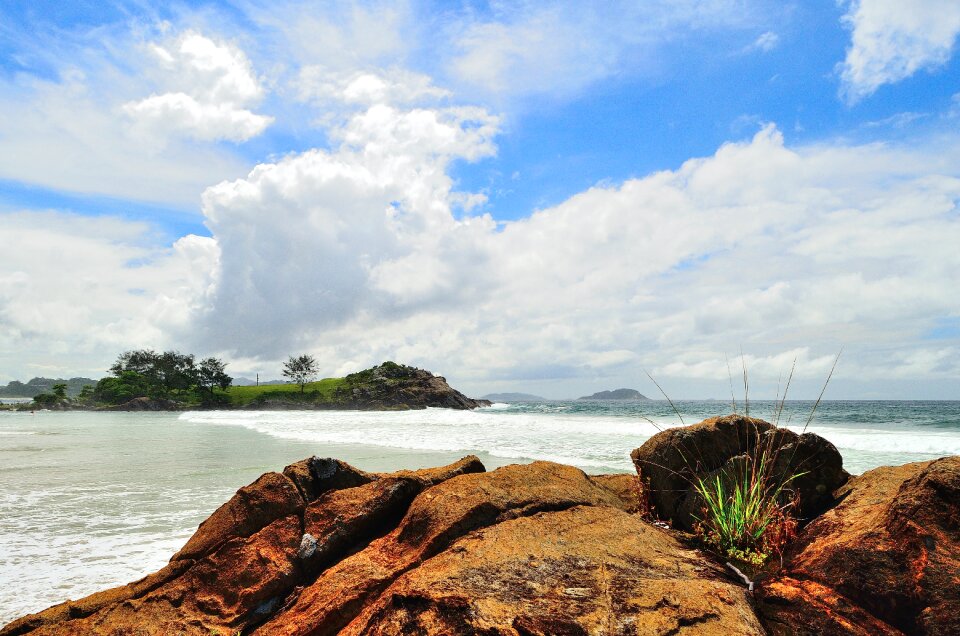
[365, 252]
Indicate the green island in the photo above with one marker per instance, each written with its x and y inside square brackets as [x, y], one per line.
[144, 380]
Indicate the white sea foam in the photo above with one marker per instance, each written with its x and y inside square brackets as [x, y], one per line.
[588, 441]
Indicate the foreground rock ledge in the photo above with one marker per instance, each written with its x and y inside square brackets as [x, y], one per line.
[323, 548]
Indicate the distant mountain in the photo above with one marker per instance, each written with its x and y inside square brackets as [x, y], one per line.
[513, 397]
[249, 382]
[36, 386]
[617, 394]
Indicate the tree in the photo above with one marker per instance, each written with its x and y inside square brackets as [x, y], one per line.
[60, 391]
[86, 394]
[167, 374]
[301, 369]
[210, 373]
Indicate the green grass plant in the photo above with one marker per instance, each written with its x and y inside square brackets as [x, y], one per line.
[747, 515]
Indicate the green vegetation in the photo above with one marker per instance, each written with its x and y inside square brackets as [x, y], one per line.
[371, 383]
[320, 391]
[174, 380]
[747, 516]
[301, 369]
[169, 376]
[37, 386]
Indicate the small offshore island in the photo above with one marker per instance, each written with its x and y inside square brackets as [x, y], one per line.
[616, 394]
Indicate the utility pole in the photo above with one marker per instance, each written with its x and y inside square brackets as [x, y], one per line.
[258, 378]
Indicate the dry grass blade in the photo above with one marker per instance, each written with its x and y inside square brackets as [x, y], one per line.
[664, 394]
[820, 397]
[733, 398]
[746, 385]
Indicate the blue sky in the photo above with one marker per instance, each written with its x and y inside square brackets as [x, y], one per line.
[539, 181]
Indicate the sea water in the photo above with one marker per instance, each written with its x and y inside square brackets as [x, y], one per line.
[94, 500]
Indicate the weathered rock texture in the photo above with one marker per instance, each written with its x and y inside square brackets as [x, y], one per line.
[323, 548]
[671, 460]
[884, 561]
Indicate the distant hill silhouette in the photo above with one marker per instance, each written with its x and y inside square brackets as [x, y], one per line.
[617, 394]
[513, 397]
[36, 386]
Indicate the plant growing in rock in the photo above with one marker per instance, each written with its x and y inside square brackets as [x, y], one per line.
[747, 508]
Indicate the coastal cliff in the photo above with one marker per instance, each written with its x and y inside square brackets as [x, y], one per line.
[541, 548]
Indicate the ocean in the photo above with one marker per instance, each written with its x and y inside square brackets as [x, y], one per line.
[94, 500]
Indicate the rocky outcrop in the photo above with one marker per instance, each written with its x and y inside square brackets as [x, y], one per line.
[323, 548]
[673, 459]
[886, 560]
[387, 387]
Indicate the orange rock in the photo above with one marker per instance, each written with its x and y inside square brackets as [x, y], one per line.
[248, 557]
[436, 518]
[583, 570]
[886, 558]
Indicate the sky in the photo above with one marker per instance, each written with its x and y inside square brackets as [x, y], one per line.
[554, 198]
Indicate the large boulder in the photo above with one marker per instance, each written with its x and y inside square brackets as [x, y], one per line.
[671, 461]
[886, 560]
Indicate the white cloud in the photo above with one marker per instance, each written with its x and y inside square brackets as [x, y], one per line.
[559, 49]
[213, 84]
[64, 135]
[75, 291]
[892, 40]
[397, 86]
[766, 42]
[356, 227]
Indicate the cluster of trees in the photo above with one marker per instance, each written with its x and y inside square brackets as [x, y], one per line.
[58, 395]
[169, 375]
[163, 376]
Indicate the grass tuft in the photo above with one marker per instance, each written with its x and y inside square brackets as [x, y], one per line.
[748, 515]
[748, 510]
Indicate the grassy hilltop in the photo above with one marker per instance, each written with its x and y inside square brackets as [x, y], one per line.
[389, 386]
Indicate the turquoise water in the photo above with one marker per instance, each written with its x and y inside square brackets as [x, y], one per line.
[93, 500]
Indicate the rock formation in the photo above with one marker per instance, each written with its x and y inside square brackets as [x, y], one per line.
[389, 386]
[323, 548]
[673, 459]
[885, 561]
